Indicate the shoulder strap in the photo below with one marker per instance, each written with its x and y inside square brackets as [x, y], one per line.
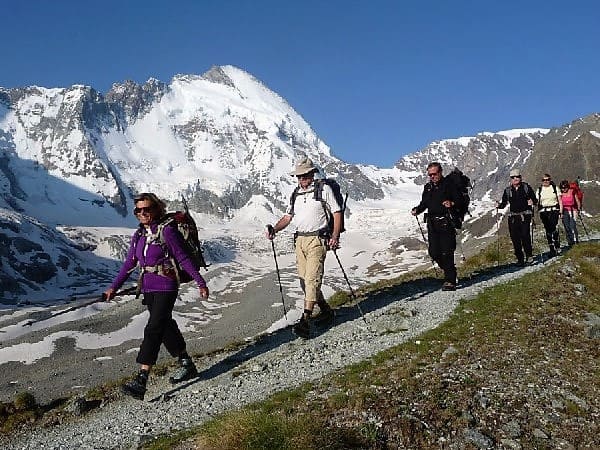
[293, 199]
[318, 190]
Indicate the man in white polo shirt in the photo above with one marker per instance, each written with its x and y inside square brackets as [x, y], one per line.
[312, 240]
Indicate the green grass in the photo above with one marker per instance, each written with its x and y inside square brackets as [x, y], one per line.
[516, 346]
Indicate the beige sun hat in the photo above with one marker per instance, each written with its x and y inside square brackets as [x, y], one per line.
[515, 173]
[304, 166]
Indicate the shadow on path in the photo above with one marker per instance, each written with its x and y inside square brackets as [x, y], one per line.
[407, 291]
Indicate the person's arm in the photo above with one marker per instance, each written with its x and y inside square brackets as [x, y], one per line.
[577, 202]
[504, 201]
[176, 246]
[126, 269]
[531, 196]
[560, 204]
[280, 225]
[422, 205]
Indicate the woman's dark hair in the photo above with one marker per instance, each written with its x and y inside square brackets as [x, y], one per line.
[564, 184]
[157, 203]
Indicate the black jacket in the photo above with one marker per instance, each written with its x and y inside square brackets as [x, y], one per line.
[517, 198]
[435, 194]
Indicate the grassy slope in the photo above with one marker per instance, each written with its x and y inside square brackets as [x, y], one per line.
[514, 367]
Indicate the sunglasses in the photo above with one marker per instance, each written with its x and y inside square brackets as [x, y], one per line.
[545, 179]
[516, 176]
[144, 210]
[432, 174]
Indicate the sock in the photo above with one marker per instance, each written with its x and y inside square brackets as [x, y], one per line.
[307, 314]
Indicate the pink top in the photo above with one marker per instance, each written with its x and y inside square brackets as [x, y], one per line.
[568, 201]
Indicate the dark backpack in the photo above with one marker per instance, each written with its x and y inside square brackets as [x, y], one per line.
[185, 225]
[318, 196]
[462, 184]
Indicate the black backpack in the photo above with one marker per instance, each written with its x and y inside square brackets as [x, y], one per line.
[318, 196]
[462, 184]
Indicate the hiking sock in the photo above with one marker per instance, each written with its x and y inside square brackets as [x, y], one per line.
[307, 313]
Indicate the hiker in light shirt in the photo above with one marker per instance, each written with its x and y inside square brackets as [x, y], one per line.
[549, 206]
[312, 242]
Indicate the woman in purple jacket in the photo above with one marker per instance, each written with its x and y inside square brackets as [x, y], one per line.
[159, 284]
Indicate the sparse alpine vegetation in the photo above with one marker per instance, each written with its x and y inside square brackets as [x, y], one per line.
[516, 367]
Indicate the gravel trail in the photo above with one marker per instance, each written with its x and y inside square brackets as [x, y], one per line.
[267, 365]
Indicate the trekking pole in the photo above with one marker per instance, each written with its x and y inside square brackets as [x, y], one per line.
[497, 237]
[96, 299]
[272, 233]
[583, 225]
[425, 240]
[532, 239]
[350, 287]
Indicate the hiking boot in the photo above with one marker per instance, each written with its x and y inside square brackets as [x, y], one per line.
[187, 370]
[448, 286]
[325, 317]
[553, 252]
[136, 388]
[302, 328]
[528, 260]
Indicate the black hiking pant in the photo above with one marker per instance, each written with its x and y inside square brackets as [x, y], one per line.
[161, 328]
[519, 229]
[442, 244]
[550, 220]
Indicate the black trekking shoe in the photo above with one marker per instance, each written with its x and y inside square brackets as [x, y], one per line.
[521, 263]
[136, 388]
[187, 370]
[302, 328]
[448, 286]
[325, 318]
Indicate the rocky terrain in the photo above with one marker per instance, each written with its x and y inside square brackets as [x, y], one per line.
[278, 361]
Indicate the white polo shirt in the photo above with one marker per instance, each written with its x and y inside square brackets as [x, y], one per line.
[308, 215]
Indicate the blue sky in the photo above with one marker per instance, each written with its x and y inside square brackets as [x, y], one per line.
[375, 79]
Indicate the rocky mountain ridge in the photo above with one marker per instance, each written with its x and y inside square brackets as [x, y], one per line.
[73, 157]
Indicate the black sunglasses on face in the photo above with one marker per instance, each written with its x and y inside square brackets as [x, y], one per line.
[431, 174]
[516, 176]
[545, 179]
[144, 210]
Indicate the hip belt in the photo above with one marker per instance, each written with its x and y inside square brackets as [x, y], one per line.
[311, 233]
[522, 213]
[549, 208]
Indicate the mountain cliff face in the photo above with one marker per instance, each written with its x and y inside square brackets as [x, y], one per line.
[72, 158]
[569, 152]
[486, 158]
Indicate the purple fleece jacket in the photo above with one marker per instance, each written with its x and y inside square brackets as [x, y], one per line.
[155, 255]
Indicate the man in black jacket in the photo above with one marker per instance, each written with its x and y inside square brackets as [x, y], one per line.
[440, 197]
[521, 198]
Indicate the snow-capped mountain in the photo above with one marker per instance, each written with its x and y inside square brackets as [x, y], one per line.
[486, 158]
[71, 160]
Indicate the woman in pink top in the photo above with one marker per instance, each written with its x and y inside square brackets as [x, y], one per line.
[569, 209]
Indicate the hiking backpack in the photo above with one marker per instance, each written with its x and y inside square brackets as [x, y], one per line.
[185, 225]
[577, 192]
[463, 184]
[318, 196]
